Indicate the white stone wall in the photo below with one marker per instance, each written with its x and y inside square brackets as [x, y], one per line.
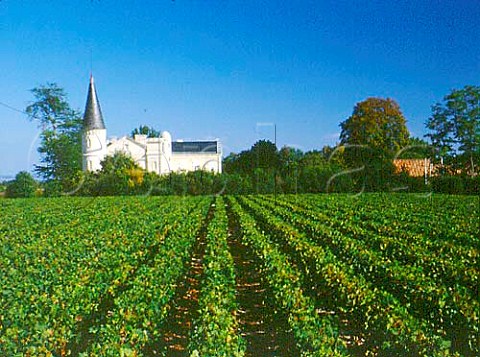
[94, 148]
[184, 162]
[129, 147]
[154, 155]
[151, 154]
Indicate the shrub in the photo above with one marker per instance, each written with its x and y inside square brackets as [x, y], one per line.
[24, 185]
[448, 184]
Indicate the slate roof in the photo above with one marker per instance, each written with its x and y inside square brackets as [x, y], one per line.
[93, 118]
[208, 147]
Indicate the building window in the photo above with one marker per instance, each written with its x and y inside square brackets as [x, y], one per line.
[89, 143]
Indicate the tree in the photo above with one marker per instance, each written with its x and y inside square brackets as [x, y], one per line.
[120, 175]
[377, 123]
[145, 130]
[416, 149]
[24, 185]
[289, 155]
[455, 128]
[260, 165]
[289, 159]
[372, 136]
[265, 155]
[262, 155]
[61, 140]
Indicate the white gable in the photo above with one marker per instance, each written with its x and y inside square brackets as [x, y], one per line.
[128, 147]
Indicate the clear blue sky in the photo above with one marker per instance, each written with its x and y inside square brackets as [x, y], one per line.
[207, 69]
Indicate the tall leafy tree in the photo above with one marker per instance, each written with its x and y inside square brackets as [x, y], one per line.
[265, 155]
[377, 123]
[61, 145]
[262, 155]
[374, 133]
[454, 128]
[260, 165]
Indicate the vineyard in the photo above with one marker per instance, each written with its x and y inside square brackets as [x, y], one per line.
[291, 275]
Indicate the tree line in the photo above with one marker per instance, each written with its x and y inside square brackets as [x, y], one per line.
[371, 138]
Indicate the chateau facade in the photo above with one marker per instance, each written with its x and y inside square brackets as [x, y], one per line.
[160, 155]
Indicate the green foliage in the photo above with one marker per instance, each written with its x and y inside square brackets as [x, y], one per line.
[405, 183]
[145, 130]
[142, 309]
[370, 168]
[264, 170]
[120, 175]
[215, 331]
[71, 254]
[455, 129]
[372, 136]
[316, 336]
[416, 149]
[99, 277]
[472, 185]
[448, 184]
[370, 275]
[117, 164]
[321, 171]
[61, 144]
[378, 124]
[24, 185]
[262, 155]
[188, 183]
[289, 155]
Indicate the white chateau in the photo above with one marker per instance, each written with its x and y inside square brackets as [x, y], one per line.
[160, 155]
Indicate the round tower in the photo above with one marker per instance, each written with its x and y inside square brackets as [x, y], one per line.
[94, 138]
[166, 153]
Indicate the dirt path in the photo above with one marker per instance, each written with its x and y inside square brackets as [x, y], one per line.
[177, 328]
[183, 312]
[264, 329]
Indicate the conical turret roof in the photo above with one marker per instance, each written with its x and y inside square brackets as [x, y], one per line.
[93, 118]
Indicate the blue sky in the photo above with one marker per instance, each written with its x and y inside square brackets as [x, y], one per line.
[228, 69]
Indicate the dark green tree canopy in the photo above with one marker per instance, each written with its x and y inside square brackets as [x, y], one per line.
[120, 175]
[145, 130]
[262, 155]
[314, 158]
[377, 123]
[118, 163]
[454, 128]
[24, 185]
[265, 154]
[416, 149]
[290, 155]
